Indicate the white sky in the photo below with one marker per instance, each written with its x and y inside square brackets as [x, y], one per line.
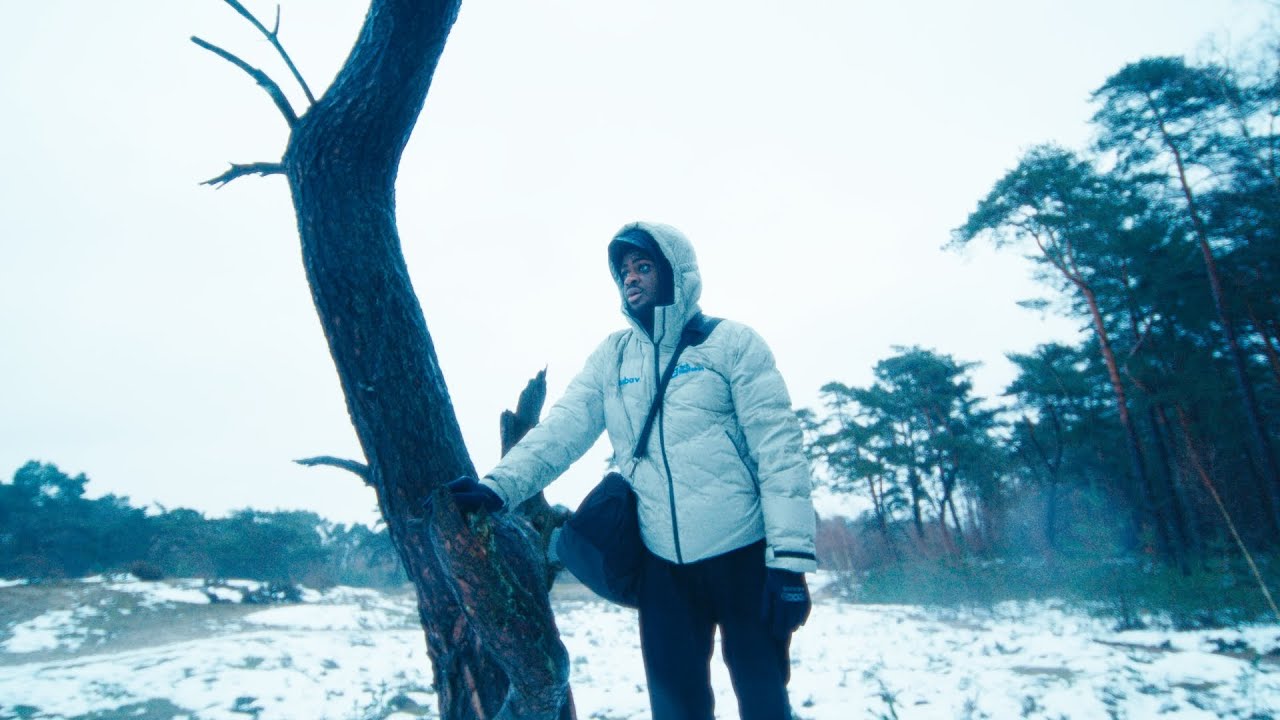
[159, 336]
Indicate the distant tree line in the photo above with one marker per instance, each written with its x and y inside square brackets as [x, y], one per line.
[49, 529]
[1158, 432]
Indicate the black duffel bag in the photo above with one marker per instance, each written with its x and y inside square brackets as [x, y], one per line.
[600, 543]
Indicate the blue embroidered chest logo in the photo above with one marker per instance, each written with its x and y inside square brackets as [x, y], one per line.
[627, 381]
[683, 368]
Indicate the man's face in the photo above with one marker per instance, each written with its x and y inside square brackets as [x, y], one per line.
[641, 284]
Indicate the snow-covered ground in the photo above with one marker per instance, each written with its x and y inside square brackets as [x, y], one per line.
[107, 648]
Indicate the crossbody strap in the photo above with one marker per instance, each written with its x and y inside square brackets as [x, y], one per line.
[695, 331]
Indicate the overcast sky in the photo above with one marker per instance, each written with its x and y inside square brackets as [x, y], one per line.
[159, 336]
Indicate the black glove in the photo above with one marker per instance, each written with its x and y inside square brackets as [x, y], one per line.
[786, 601]
[471, 496]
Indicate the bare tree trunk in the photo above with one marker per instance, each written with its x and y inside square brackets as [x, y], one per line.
[482, 581]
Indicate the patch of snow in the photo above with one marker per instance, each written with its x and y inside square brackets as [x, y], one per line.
[356, 653]
[247, 585]
[39, 634]
[821, 580]
[152, 594]
[179, 595]
[224, 594]
[52, 630]
[1265, 640]
[346, 594]
[111, 578]
[263, 674]
[324, 617]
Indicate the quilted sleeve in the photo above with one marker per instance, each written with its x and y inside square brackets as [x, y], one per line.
[563, 435]
[774, 441]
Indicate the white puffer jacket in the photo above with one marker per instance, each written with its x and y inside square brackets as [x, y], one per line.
[725, 466]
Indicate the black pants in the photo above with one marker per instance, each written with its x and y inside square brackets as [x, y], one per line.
[680, 608]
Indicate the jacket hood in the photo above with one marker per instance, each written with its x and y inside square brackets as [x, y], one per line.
[686, 282]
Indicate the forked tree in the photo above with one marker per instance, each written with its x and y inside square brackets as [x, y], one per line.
[482, 581]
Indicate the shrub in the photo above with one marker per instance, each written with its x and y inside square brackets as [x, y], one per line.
[147, 571]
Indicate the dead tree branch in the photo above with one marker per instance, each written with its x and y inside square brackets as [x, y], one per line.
[237, 171]
[265, 82]
[273, 37]
[342, 463]
[544, 518]
[514, 425]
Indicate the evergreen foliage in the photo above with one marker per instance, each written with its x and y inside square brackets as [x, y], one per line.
[49, 529]
[1162, 240]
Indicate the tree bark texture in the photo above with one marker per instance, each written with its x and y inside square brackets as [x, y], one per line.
[481, 581]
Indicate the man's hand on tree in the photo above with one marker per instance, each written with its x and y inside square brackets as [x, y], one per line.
[470, 495]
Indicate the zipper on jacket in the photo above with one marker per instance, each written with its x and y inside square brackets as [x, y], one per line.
[671, 487]
[666, 465]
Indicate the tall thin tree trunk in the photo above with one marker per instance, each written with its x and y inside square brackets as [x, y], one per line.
[1187, 525]
[955, 517]
[913, 481]
[882, 521]
[1137, 463]
[1168, 505]
[1134, 490]
[1259, 443]
[1164, 499]
[947, 543]
[1053, 467]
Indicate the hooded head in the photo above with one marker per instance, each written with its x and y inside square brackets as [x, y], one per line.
[680, 284]
[638, 241]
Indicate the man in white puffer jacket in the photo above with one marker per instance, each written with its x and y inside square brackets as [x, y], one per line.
[723, 492]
